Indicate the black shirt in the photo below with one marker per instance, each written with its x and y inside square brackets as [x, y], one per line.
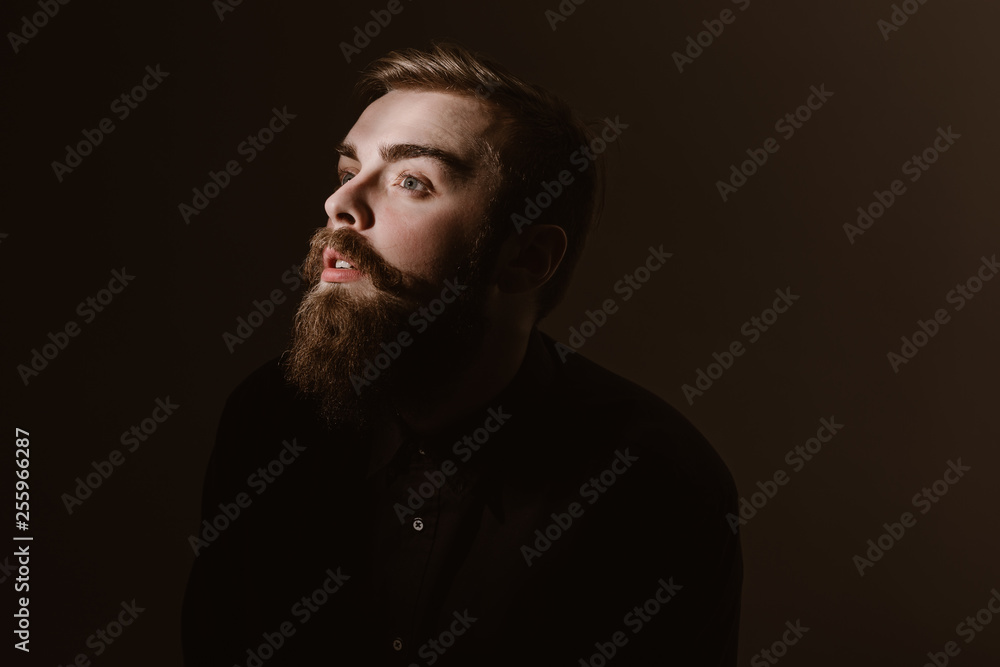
[576, 519]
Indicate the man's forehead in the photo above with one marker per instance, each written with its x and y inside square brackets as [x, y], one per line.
[451, 122]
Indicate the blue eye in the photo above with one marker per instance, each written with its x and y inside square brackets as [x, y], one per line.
[413, 183]
[345, 176]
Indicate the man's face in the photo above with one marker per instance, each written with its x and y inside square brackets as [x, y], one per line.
[413, 183]
[409, 215]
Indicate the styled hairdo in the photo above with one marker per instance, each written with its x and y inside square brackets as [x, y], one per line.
[541, 137]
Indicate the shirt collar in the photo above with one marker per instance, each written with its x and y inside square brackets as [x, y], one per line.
[395, 440]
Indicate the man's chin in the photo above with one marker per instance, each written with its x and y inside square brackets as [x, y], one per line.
[342, 406]
[331, 339]
[346, 355]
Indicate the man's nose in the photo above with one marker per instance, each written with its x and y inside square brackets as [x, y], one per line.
[348, 206]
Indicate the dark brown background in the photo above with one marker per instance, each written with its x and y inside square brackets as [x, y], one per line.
[825, 357]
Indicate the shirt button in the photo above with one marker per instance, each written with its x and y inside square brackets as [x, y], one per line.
[397, 644]
[418, 524]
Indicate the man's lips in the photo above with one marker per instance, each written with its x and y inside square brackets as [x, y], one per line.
[331, 274]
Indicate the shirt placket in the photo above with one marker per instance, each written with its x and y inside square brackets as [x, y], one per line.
[414, 509]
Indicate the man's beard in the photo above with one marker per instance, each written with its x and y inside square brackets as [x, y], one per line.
[346, 351]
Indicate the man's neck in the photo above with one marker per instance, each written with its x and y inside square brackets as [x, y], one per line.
[494, 367]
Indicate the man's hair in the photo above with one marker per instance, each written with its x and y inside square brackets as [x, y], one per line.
[540, 135]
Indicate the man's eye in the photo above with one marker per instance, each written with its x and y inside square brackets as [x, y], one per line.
[345, 176]
[413, 183]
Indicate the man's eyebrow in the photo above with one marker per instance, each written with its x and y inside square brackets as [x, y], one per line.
[347, 150]
[453, 164]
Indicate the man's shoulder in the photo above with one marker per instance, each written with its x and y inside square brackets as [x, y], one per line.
[265, 396]
[264, 383]
[595, 382]
[586, 384]
[265, 406]
[262, 410]
[606, 405]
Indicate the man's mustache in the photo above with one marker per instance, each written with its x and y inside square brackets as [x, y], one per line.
[384, 276]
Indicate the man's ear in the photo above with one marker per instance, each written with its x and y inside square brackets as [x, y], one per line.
[529, 259]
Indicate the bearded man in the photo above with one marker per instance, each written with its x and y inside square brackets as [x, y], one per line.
[424, 478]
